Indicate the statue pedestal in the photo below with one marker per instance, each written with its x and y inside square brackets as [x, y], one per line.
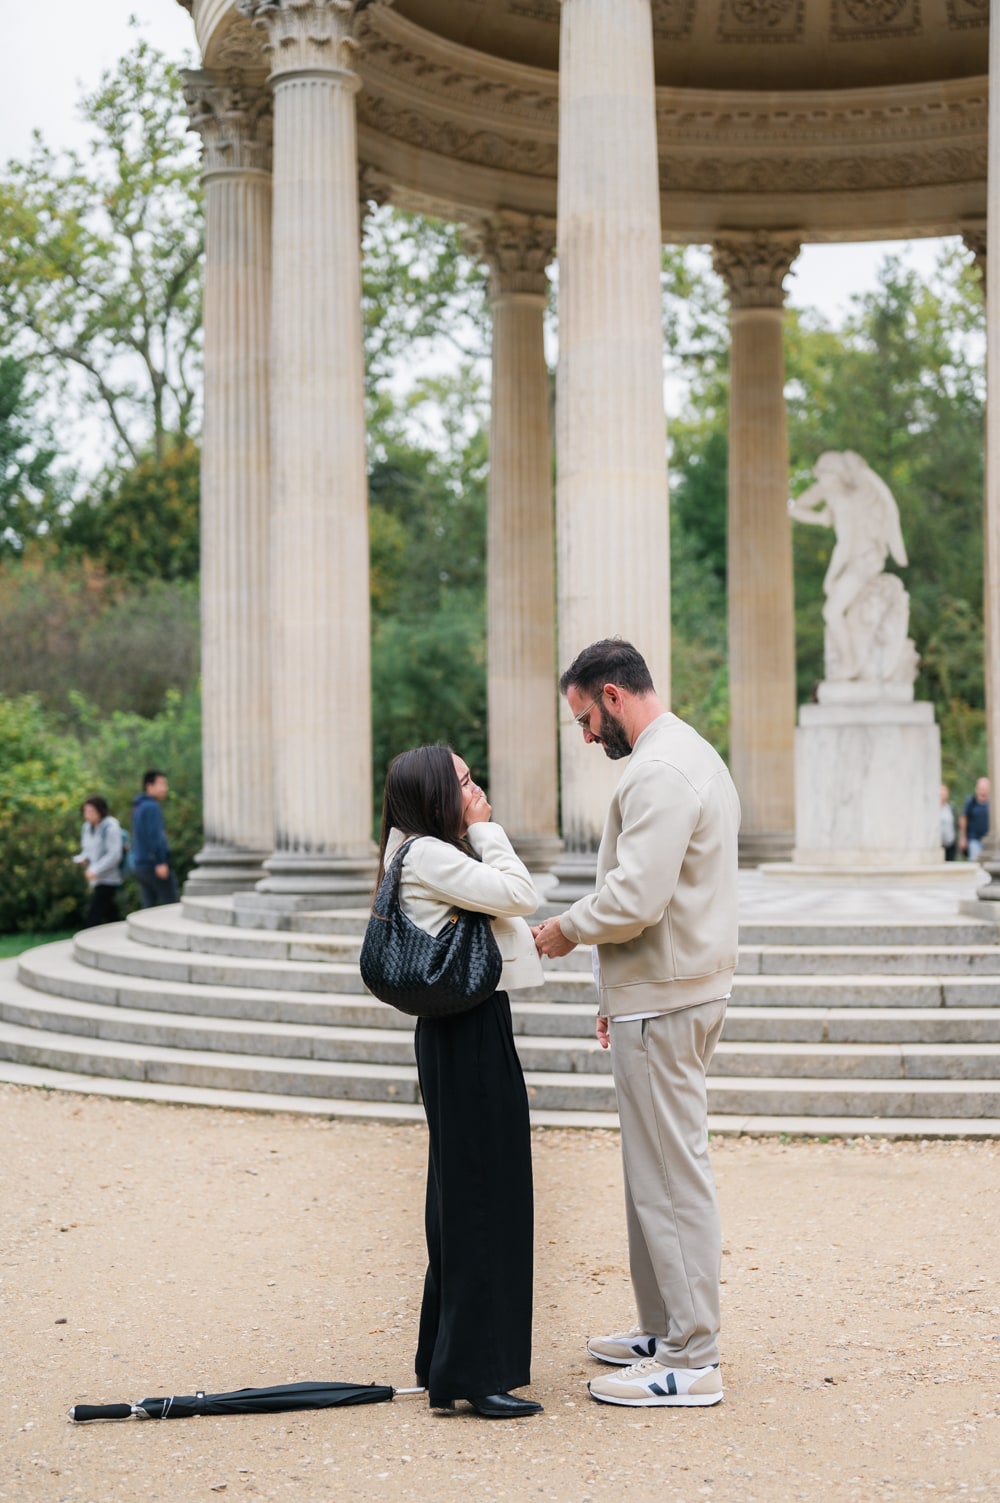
[867, 783]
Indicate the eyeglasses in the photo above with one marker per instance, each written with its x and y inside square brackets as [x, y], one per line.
[583, 719]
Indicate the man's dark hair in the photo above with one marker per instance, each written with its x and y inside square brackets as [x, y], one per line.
[422, 797]
[611, 661]
[97, 803]
[151, 777]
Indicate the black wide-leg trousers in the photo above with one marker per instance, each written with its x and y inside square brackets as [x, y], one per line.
[475, 1321]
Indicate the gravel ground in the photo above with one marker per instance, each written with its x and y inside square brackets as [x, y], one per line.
[147, 1249]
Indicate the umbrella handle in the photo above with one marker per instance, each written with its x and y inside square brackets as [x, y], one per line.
[101, 1411]
[397, 1391]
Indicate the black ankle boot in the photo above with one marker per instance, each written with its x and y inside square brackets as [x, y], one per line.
[504, 1406]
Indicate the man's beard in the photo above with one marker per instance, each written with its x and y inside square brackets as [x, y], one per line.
[613, 739]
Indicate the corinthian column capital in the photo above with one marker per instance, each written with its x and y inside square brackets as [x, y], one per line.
[517, 248]
[754, 268]
[233, 119]
[303, 35]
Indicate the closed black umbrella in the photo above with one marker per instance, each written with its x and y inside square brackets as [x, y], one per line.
[276, 1400]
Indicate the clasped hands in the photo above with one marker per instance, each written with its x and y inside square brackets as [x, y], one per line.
[550, 940]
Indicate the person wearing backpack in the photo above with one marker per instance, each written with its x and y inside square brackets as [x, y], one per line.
[101, 854]
[150, 850]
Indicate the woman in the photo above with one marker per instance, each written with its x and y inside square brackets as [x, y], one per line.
[475, 1321]
[101, 854]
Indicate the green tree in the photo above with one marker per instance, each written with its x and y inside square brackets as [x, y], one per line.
[143, 523]
[29, 492]
[74, 628]
[419, 289]
[100, 258]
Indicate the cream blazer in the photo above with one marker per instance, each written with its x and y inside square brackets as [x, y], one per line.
[437, 878]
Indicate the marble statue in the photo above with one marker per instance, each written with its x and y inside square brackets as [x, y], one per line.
[867, 611]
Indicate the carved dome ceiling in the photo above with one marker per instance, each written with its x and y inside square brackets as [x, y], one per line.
[747, 44]
[827, 119]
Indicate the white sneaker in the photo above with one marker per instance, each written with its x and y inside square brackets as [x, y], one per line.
[624, 1348]
[648, 1383]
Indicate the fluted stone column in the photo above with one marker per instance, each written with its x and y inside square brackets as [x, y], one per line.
[990, 896]
[319, 534]
[975, 237]
[611, 492]
[235, 126]
[521, 673]
[760, 589]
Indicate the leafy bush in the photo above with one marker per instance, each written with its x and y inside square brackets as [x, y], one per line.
[43, 781]
[45, 774]
[67, 625]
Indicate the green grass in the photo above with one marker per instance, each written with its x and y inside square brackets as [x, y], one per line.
[16, 944]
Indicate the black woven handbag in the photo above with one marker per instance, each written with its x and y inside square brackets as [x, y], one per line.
[427, 975]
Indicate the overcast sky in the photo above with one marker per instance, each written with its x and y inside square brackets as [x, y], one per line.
[54, 48]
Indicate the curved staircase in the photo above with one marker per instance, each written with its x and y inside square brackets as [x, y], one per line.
[845, 1026]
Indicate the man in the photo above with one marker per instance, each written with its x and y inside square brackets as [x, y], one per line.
[664, 920]
[150, 851]
[974, 822]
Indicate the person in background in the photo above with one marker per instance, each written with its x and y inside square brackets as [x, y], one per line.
[100, 855]
[150, 851]
[949, 825]
[974, 824]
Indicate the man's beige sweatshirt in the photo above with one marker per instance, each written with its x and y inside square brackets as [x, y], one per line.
[665, 913]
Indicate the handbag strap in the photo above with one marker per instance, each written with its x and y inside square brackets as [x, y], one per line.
[390, 882]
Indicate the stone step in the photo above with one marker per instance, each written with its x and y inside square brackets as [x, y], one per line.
[52, 969]
[166, 928]
[870, 960]
[290, 1041]
[863, 1025]
[867, 991]
[719, 1125]
[549, 1091]
[896, 933]
[86, 1020]
[111, 948]
[877, 931]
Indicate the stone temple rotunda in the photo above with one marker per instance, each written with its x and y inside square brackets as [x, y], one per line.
[589, 132]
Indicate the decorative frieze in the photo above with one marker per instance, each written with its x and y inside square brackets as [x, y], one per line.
[671, 18]
[874, 20]
[761, 20]
[517, 248]
[234, 120]
[754, 268]
[819, 175]
[965, 13]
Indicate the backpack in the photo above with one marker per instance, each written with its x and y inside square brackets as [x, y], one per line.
[128, 864]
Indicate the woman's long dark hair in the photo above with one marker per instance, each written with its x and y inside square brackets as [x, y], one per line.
[422, 797]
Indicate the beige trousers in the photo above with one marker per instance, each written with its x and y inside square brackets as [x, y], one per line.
[674, 1236]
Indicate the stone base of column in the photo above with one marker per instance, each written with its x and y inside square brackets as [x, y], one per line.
[538, 852]
[316, 881]
[576, 877]
[222, 869]
[760, 846]
[986, 903]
